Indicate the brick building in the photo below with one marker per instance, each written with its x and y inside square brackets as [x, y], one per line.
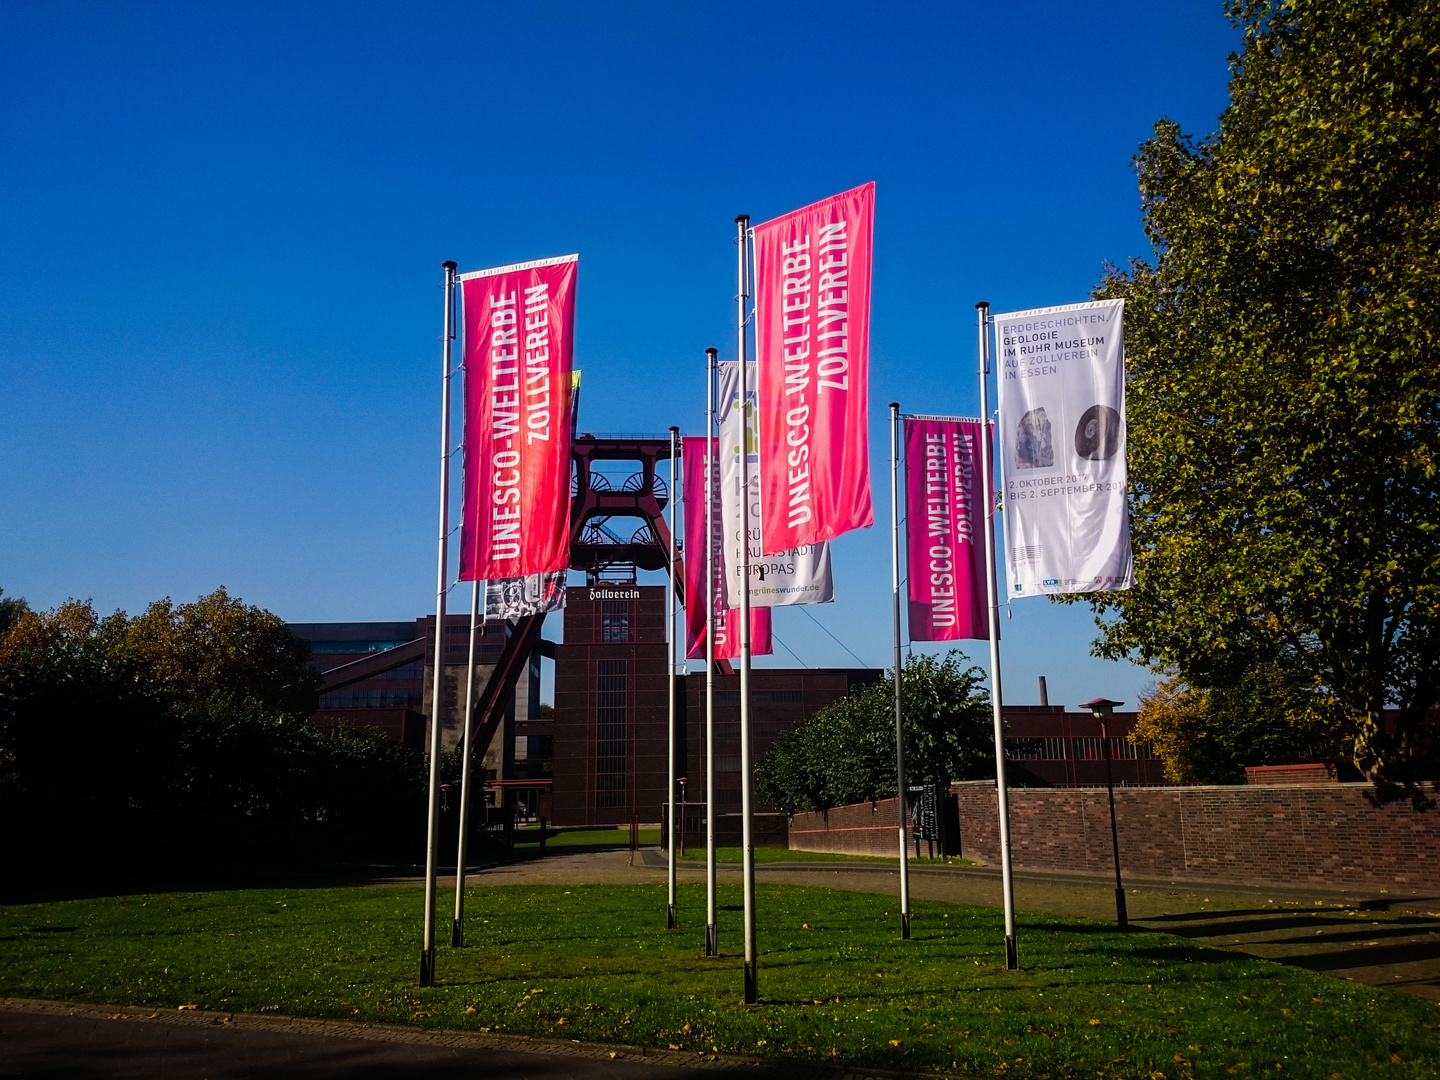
[611, 728]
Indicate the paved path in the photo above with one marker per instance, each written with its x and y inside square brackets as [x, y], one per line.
[1377, 937]
[44, 1040]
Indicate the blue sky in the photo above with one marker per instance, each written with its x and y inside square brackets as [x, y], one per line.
[221, 229]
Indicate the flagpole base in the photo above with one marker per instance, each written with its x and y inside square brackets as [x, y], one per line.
[427, 967]
[752, 982]
[905, 927]
[1120, 914]
[712, 941]
[1012, 954]
[457, 934]
[674, 921]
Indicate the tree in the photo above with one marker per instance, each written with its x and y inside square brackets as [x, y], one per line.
[219, 645]
[845, 752]
[1209, 736]
[11, 608]
[1284, 401]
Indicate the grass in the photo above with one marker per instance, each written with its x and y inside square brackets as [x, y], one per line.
[774, 855]
[595, 963]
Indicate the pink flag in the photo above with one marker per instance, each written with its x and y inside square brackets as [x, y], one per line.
[727, 623]
[519, 333]
[812, 341]
[945, 519]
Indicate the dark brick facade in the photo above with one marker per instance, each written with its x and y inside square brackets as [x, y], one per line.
[1321, 834]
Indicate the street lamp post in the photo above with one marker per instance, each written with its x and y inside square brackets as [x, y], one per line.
[1101, 708]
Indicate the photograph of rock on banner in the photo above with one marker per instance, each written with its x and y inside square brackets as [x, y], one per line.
[727, 620]
[798, 576]
[1062, 448]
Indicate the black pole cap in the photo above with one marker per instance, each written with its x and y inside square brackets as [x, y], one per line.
[741, 218]
[675, 429]
[895, 405]
[449, 264]
[712, 352]
[982, 303]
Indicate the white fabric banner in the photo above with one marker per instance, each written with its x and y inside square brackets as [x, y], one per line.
[1062, 448]
[798, 576]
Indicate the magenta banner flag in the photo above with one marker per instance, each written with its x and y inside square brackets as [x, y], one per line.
[519, 337]
[812, 345]
[695, 470]
[945, 519]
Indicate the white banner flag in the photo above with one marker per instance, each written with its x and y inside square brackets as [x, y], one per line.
[1062, 448]
[798, 576]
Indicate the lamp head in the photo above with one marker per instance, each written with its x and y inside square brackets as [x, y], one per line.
[1101, 707]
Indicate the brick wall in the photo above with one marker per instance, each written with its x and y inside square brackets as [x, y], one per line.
[1324, 834]
[862, 829]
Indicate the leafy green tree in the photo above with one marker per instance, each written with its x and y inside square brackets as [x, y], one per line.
[845, 752]
[11, 608]
[1209, 736]
[219, 645]
[1283, 355]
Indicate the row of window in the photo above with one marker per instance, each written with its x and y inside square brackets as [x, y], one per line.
[1080, 748]
[372, 699]
[610, 745]
[354, 647]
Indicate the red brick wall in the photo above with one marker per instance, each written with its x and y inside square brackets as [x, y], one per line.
[862, 829]
[1322, 834]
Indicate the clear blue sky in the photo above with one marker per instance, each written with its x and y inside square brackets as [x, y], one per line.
[221, 229]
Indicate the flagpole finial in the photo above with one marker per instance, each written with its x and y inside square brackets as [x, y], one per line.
[894, 405]
[449, 264]
[982, 303]
[712, 352]
[741, 219]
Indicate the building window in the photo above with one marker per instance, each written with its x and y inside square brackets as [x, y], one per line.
[1088, 748]
[614, 620]
[371, 699]
[1020, 748]
[611, 708]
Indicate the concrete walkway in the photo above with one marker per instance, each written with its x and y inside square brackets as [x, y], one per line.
[45, 1040]
[1384, 938]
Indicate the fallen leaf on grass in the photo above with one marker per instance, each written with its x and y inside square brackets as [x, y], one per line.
[894, 1042]
[676, 1046]
[470, 1010]
[1094, 1022]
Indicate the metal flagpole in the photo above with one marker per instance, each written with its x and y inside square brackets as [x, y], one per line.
[747, 823]
[900, 798]
[1002, 793]
[437, 698]
[712, 937]
[457, 931]
[670, 637]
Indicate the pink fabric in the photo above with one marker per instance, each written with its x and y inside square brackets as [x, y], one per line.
[945, 522]
[519, 332]
[727, 623]
[812, 343]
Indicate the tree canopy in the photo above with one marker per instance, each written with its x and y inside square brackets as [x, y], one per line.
[188, 721]
[1283, 378]
[845, 752]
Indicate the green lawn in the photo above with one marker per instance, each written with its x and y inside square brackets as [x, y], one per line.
[774, 855]
[595, 963]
